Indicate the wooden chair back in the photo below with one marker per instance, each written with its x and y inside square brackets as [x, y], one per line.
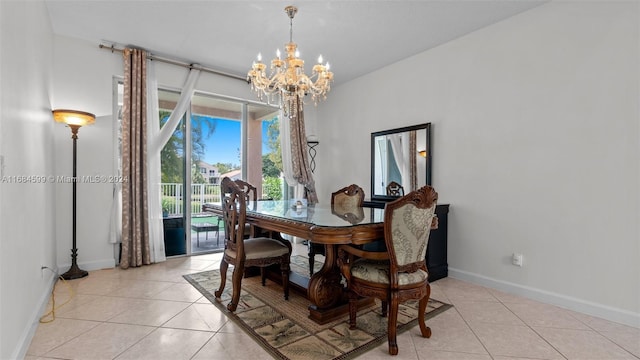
[229, 192]
[395, 189]
[250, 190]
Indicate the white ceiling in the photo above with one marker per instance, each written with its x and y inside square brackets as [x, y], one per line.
[356, 37]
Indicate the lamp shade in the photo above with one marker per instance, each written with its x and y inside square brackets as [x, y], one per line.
[73, 117]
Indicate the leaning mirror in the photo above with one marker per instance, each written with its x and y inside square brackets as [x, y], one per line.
[400, 161]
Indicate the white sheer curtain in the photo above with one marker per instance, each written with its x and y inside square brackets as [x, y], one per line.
[400, 147]
[157, 138]
[158, 142]
[115, 232]
[156, 233]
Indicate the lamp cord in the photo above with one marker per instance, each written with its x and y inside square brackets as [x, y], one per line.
[52, 313]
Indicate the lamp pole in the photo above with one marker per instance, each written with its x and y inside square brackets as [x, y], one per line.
[74, 272]
[74, 119]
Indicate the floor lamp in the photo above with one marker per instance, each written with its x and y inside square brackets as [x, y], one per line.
[74, 120]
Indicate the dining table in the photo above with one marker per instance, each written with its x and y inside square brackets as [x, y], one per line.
[320, 223]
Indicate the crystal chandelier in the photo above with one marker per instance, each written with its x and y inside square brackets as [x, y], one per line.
[287, 78]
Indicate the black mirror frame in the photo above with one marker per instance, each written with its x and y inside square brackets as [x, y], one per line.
[426, 126]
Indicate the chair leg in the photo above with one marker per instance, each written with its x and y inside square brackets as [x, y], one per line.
[353, 309]
[392, 325]
[263, 276]
[422, 307]
[223, 277]
[238, 272]
[384, 308]
[284, 267]
[312, 255]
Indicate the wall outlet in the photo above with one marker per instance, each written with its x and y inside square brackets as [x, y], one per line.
[516, 259]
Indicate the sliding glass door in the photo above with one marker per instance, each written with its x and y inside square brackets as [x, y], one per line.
[227, 140]
[223, 137]
[173, 177]
[216, 143]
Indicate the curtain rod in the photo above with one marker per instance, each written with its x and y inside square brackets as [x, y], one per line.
[112, 48]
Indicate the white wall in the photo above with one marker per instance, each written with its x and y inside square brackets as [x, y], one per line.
[83, 77]
[78, 86]
[535, 146]
[27, 211]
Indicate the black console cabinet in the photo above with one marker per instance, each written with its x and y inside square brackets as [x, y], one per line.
[437, 248]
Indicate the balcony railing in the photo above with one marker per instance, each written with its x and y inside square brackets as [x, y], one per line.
[173, 196]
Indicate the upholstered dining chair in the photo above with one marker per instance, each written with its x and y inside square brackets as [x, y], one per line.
[351, 196]
[400, 273]
[244, 252]
[395, 189]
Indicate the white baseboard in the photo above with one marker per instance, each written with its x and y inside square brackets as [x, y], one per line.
[586, 307]
[25, 340]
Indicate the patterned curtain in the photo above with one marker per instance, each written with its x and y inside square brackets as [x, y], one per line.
[300, 156]
[135, 222]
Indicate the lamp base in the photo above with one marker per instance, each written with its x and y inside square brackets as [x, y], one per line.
[74, 273]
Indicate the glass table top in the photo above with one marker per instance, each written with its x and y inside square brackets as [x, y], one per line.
[316, 214]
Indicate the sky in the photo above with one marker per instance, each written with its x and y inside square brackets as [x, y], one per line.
[222, 146]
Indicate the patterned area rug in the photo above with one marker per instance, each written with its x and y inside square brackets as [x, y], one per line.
[284, 329]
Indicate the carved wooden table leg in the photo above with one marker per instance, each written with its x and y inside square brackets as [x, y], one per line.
[326, 292]
[325, 289]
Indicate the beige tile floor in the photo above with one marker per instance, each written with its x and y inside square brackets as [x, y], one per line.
[153, 313]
